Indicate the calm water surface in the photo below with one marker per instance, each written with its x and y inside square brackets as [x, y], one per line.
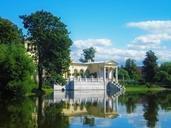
[96, 109]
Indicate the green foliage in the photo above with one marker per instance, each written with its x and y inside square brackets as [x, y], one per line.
[123, 74]
[89, 54]
[55, 78]
[163, 76]
[166, 67]
[9, 32]
[53, 43]
[16, 69]
[132, 70]
[150, 67]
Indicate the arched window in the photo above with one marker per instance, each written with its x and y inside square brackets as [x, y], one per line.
[87, 74]
[75, 74]
[82, 73]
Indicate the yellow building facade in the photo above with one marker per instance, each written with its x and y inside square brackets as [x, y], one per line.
[100, 70]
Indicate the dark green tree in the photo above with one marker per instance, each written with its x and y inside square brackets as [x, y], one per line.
[16, 69]
[9, 32]
[88, 54]
[132, 69]
[53, 44]
[150, 67]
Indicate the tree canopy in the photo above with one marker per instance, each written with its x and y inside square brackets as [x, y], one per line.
[53, 44]
[9, 32]
[150, 67]
[88, 54]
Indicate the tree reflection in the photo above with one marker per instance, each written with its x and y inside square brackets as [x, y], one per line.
[50, 115]
[130, 105]
[40, 111]
[89, 121]
[130, 101]
[17, 113]
[165, 100]
[151, 110]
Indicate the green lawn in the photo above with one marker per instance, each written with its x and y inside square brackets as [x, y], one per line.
[129, 88]
[142, 88]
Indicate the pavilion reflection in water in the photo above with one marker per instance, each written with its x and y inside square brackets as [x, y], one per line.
[99, 103]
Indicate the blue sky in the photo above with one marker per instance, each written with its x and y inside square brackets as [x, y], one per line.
[118, 29]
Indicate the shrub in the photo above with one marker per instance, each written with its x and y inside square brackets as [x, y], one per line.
[16, 69]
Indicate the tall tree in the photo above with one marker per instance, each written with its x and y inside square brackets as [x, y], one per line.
[132, 70]
[53, 44]
[88, 54]
[150, 67]
[9, 32]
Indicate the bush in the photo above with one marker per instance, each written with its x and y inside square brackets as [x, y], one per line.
[163, 77]
[16, 69]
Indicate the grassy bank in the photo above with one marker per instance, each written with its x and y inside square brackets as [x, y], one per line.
[48, 90]
[143, 88]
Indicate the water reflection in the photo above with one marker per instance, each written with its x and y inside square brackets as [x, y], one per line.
[151, 110]
[50, 115]
[88, 109]
[97, 103]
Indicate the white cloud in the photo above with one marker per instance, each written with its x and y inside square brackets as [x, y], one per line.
[101, 46]
[157, 33]
[153, 38]
[104, 50]
[158, 26]
[92, 43]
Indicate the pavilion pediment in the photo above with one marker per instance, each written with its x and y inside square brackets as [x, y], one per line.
[111, 62]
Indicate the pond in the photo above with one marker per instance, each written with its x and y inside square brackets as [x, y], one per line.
[96, 109]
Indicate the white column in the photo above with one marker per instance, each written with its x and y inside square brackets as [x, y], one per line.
[104, 78]
[116, 105]
[104, 102]
[116, 74]
[110, 74]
